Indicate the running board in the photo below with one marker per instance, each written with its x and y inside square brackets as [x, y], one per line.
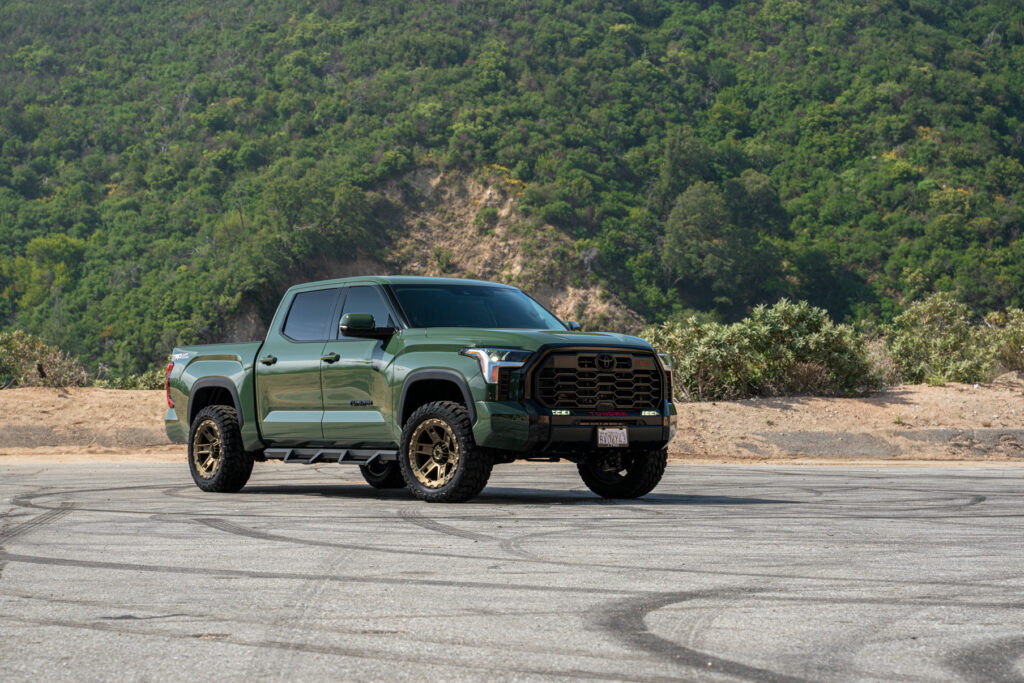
[308, 456]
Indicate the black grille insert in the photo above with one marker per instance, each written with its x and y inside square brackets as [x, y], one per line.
[588, 380]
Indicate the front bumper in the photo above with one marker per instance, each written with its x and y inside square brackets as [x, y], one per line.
[531, 429]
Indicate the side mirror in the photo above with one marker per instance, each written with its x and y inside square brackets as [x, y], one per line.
[362, 325]
[573, 325]
[356, 324]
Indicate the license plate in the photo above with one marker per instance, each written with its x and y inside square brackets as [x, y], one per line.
[612, 438]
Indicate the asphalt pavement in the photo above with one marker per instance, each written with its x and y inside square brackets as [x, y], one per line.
[129, 572]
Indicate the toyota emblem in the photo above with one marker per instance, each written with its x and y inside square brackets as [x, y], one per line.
[605, 362]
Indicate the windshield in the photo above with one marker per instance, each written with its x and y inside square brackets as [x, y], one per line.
[473, 306]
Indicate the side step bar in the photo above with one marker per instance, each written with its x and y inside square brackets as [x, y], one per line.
[308, 456]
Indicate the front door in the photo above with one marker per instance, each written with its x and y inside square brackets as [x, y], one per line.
[288, 371]
[355, 386]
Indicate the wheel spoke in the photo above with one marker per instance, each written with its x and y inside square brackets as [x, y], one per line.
[206, 449]
[433, 452]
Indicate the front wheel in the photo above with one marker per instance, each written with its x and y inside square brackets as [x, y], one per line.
[624, 475]
[439, 459]
[215, 455]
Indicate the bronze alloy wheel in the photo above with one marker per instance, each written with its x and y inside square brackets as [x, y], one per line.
[433, 453]
[206, 449]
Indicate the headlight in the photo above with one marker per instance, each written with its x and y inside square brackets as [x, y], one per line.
[492, 360]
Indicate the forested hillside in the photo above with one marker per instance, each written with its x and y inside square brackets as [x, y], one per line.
[165, 165]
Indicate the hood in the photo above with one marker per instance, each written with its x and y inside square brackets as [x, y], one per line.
[531, 339]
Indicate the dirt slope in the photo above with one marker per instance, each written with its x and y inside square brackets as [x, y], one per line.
[460, 226]
[955, 422]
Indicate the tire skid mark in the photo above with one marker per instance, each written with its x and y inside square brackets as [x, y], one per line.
[414, 516]
[384, 618]
[376, 655]
[136, 617]
[25, 500]
[513, 545]
[13, 531]
[298, 576]
[228, 527]
[623, 620]
[995, 660]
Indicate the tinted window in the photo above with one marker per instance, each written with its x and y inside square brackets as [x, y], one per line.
[369, 300]
[310, 311]
[473, 306]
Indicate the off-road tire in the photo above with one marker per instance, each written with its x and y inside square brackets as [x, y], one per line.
[235, 464]
[474, 463]
[382, 475]
[640, 478]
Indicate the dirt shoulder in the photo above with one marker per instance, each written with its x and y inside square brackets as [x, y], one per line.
[957, 422]
[906, 425]
[83, 425]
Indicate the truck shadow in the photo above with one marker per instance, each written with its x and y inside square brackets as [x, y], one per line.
[510, 496]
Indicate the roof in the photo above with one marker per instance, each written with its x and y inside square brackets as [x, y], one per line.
[395, 280]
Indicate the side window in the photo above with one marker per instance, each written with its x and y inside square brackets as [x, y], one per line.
[308, 316]
[368, 300]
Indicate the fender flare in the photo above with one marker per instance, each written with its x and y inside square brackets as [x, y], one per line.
[445, 375]
[218, 383]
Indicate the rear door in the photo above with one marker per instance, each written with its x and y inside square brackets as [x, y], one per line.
[288, 395]
[355, 386]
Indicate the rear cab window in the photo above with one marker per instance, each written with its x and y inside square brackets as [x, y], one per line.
[310, 314]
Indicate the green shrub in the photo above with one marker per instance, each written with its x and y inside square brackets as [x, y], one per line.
[151, 379]
[1006, 331]
[486, 217]
[788, 348]
[935, 338]
[27, 361]
[708, 358]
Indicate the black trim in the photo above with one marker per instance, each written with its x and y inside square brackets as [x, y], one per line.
[335, 322]
[446, 375]
[220, 384]
[309, 456]
[535, 360]
[396, 307]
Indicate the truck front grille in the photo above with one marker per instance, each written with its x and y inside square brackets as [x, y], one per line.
[589, 380]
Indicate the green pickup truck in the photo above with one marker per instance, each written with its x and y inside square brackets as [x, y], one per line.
[424, 383]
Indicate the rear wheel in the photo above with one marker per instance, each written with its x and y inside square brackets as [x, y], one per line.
[624, 475]
[439, 459]
[215, 455]
[382, 475]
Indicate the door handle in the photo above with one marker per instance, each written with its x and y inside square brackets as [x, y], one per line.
[331, 357]
[269, 359]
